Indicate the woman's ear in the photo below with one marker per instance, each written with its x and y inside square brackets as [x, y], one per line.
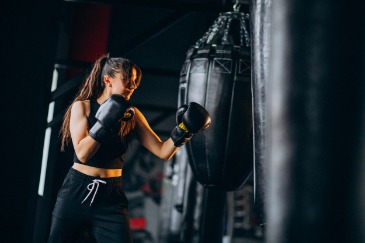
[107, 81]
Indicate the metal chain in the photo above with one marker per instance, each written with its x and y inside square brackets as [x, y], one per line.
[211, 31]
[224, 21]
[244, 28]
[226, 30]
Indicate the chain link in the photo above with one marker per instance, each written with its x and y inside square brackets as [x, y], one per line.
[222, 25]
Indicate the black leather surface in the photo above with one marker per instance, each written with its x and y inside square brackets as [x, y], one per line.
[317, 117]
[217, 75]
[260, 35]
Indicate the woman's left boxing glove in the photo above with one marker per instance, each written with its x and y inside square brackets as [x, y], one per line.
[190, 119]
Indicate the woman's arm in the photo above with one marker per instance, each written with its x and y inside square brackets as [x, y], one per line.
[84, 145]
[149, 139]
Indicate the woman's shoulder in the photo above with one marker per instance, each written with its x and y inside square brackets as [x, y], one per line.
[139, 117]
[81, 106]
[136, 109]
[138, 113]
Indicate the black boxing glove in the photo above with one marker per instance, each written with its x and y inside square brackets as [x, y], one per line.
[190, 119]
[112, 111]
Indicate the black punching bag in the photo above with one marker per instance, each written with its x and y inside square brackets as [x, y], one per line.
[260, 13]
[316, 179]
[217, 75]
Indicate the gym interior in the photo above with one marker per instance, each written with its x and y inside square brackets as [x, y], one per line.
[283, 160]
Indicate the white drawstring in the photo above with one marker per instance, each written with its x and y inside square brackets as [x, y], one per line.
[91, 186]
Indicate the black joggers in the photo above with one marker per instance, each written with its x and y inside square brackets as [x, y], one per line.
[97, 203]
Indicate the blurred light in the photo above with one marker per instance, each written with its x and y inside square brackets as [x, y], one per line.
[47, 138]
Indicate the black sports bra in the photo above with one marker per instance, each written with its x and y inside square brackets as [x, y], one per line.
[109, 155]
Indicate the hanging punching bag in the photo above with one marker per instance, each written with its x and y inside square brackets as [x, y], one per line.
[216, 74]
[260, 13]
[316, 121]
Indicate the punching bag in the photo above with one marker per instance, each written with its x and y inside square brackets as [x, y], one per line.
[260, 13]
[216, 74]
[316, 117]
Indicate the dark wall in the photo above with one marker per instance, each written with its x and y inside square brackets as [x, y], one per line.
[28, 40]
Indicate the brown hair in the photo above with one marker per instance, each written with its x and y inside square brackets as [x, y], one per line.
[94, 85]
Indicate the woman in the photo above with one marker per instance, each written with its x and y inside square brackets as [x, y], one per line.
[100, 122]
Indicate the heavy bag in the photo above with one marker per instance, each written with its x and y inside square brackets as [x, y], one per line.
[316, 121]
[260, 23]
[216, 74]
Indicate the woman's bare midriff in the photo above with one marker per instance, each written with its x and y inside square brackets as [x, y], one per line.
[97, 172]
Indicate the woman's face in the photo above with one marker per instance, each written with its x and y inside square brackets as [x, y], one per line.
[124, 88]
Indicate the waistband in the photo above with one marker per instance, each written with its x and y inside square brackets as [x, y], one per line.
[87, 178]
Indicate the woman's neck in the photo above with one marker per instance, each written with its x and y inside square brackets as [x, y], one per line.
[105, 95]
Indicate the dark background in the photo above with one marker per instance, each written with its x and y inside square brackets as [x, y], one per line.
[154, 34]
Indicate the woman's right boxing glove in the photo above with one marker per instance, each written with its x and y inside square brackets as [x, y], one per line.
[112, 111]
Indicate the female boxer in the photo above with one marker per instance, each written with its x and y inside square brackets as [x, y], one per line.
[100, 122]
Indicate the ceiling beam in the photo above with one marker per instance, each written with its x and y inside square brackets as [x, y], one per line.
[192, 6]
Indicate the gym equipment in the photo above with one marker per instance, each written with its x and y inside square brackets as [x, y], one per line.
[260, 34]
[217, 75]
[316, 118]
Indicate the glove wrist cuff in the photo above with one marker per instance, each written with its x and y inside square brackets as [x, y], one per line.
[183, 127]
[179, 136]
